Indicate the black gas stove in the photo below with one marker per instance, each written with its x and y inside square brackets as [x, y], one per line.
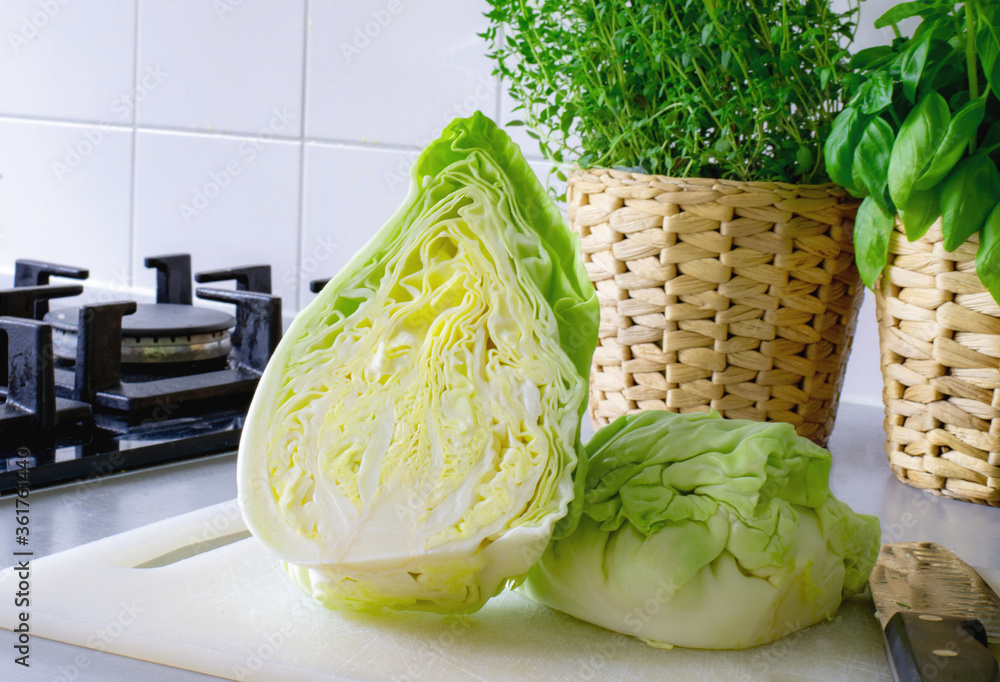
[100, 388]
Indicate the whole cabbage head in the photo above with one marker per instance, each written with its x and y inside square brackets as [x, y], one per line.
[704, 532]
[417, 430]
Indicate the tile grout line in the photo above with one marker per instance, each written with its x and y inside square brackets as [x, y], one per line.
[54, 120]
[328, 142]
[133, 211]
[300, 228]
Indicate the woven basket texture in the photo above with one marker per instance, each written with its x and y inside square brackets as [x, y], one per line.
[940, 352]
[736, 296]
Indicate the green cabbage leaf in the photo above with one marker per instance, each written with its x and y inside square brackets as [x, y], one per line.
[414, 441]
[704, 532]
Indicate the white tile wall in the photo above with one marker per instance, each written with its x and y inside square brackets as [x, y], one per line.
[65, 192]
[228, 200]
[395, 71]
[119, 118]
[67, 60]
[225, 66]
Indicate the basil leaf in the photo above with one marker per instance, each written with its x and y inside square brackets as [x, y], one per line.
[921, 213]
[858, 183]
[949, 77]
[988, 44]
[871, 160]
[961, 129]
[913, 64]
[959, 100]
[872, 229]
[904, 10]
[992, 136]
[969, 194]
[843, 139]
[988, 255]
[824, 76]
[919, 138]
[876, 93]
[940, 70]
[871, 58]
[804, 158]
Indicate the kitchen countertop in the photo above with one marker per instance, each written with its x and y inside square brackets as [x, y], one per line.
[72, 515]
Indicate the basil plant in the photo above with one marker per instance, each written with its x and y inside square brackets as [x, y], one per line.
[416, 435]
[920, 138]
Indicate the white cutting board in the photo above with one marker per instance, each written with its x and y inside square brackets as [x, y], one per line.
[232, 612]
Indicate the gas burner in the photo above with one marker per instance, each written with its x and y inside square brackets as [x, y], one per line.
[155, 333]
[97, 377]
[103, 388]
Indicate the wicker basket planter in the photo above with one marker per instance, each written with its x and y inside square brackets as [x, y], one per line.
[741, 297]
[940, 341]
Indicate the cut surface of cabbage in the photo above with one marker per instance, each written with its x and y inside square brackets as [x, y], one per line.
[415, 438]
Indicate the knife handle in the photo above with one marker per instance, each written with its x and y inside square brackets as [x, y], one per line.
[924, 647]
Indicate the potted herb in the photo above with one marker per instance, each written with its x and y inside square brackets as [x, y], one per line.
[920, 141]
[724, 263]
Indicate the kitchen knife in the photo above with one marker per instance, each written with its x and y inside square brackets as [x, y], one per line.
[937, 615]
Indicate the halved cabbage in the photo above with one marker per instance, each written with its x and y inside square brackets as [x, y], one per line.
[415, 437]
[704, 532]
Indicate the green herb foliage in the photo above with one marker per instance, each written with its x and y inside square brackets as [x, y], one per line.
[710, 88]
[920, 137]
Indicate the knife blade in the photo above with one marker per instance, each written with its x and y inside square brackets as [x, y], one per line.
[937, 614]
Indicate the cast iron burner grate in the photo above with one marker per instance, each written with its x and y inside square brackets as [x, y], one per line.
[107, 406]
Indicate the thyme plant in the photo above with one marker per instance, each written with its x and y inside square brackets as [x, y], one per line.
[714, 88]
